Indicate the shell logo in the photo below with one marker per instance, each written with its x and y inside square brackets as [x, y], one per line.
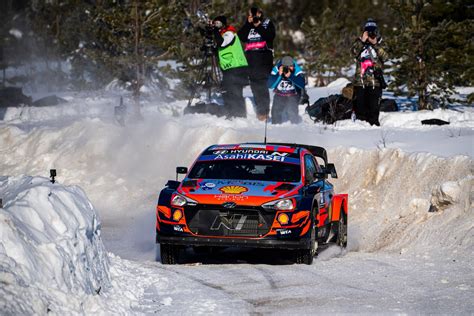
[233, 189]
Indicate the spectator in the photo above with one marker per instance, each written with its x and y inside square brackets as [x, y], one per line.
[258, 34]
[287, 81]
[234, 67]
[368, 81]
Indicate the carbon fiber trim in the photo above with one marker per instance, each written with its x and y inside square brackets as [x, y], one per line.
[303, 243]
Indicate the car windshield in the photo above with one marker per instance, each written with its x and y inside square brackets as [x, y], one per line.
[246, 170]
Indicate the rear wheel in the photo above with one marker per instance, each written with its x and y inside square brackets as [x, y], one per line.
[169, 254]
[341, 239]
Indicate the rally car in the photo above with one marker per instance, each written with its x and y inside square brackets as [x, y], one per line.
[253, 195]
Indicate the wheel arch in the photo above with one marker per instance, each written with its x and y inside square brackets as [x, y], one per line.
[339, 201]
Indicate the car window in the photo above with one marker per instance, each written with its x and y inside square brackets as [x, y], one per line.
[246, 170]
[310, 168]
[318, 165]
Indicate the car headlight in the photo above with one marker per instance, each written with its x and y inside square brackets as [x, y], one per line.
[284, 205]
[280, 205]
[180, 200]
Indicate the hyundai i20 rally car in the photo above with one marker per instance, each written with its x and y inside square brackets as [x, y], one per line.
[253, 195]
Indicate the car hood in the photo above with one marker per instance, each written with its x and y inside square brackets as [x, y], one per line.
[245, 192]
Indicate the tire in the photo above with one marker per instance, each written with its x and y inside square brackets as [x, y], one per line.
[341, 239]
[169, 254]
[304, 256]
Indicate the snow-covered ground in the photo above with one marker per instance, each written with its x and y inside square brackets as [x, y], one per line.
[401, 257]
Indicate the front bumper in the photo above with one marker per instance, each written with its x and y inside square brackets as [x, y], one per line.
[302, 243]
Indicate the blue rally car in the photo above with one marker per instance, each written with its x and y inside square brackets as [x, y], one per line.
[253, 195]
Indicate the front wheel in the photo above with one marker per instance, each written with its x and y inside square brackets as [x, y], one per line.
[169, 254]
[304, 256]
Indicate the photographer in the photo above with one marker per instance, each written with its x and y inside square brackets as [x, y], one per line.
[233, 63]
[258, 34]
[287, 81]
[368, 81]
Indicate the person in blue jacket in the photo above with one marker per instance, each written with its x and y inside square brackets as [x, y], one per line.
[287, 82]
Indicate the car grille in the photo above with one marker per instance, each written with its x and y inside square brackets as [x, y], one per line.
[215, 220]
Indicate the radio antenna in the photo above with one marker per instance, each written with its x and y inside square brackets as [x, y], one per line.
[266, 122]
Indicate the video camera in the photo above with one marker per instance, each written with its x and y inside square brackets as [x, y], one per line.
[206, 29]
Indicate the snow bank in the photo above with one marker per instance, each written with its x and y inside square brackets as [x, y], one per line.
[401, 202]
[51, 253]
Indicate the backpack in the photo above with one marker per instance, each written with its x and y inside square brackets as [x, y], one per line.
[330, 109]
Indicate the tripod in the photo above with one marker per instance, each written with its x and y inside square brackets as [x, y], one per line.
[209, 76]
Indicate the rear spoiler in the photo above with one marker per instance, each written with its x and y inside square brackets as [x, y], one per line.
[315, 150]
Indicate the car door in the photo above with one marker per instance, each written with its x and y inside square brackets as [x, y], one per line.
[325, 198]
[312, 185]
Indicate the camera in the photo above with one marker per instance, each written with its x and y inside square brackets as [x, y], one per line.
[286, 69]
[255, 18]
[207, 32]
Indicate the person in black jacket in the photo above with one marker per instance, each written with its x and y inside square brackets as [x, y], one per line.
[370, 55]
[258, 34]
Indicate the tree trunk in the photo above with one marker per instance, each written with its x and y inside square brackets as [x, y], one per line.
[138, 74]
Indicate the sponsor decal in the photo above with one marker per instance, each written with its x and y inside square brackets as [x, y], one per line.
[253, 35]
[246, 151]
[235, 222]
[255, 45]
[230, 197]
[229, 204]
[271, 157]
[220, 152]
[240, 182]
[233, 189]
[207, 186]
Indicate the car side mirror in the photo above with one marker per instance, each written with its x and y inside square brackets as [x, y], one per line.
[321, 175]
[331, 169]
[181, 170]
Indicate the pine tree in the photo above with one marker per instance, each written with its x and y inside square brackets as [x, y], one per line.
[431, 50]
[327, 43]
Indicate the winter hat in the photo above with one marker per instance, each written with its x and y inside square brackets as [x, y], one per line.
[287, 61]
[370, 25]
[222, 19]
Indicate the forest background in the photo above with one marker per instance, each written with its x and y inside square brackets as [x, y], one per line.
[157, 44]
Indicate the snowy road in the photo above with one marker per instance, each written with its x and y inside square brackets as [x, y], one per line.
[354, 282]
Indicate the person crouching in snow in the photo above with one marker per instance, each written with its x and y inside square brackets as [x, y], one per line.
[287, 81]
